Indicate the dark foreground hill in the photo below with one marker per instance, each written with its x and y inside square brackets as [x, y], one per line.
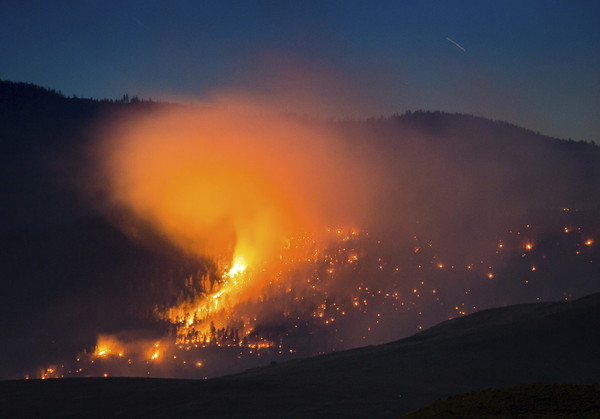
[530, 343]
[576, 401]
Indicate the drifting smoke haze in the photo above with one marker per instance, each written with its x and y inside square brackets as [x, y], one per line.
[234, 179]
[239, 176]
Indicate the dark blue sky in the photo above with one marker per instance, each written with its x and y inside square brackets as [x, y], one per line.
[533, 63]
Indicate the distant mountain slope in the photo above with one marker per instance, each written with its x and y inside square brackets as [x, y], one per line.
[544, 342]
[461, 178]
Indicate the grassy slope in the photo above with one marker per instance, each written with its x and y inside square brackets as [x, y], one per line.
[545, 342]
[524, 401]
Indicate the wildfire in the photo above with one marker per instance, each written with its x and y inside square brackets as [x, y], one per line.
[229, 311]
[108, 345]
[235, 189]
[225, 316]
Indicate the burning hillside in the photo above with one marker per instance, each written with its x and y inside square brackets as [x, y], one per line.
[346, 291]
[313, 239]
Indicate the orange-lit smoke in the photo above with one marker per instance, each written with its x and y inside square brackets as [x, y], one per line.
[233, 179]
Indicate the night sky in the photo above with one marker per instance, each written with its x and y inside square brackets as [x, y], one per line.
[533, 63]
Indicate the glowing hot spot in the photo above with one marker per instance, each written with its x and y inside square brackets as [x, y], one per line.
[238, 268]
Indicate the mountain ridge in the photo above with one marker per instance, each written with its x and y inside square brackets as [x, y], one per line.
[13, 92]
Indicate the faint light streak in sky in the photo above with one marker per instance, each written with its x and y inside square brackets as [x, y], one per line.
[456, 43]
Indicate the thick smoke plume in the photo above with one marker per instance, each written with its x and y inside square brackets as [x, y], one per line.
[233, 179]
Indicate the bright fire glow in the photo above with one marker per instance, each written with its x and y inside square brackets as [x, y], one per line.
[237, 269]
[108, 346]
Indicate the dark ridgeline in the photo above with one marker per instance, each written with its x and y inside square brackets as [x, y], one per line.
[67, 274]
[40, 131]
[531, 343]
